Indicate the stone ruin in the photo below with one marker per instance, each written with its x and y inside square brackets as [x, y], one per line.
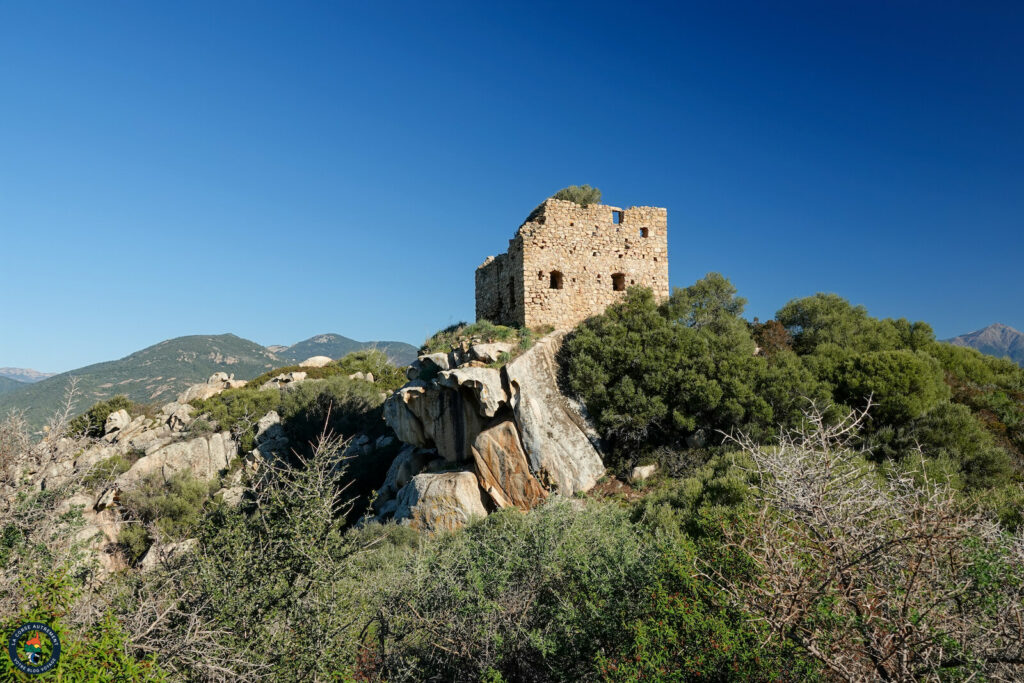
[568, 262]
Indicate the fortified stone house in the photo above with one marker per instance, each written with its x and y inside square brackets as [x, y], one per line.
[568, 262]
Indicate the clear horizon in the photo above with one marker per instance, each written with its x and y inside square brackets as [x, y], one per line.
[279, 171]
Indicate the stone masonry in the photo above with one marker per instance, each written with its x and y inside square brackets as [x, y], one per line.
[568, 262]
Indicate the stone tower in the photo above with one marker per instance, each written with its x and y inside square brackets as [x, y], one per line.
[568, 262]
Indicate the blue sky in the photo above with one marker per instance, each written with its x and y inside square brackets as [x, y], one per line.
[278, 170]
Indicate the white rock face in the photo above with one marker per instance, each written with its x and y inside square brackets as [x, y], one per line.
[556, 437]
[439, 502]
[642, 472]
[440, 361]
[408, 463]
[489, 353]
[271, 441]
[484, 383]
[205, 456]
[180, 417]
[315, 362]
[116, 421]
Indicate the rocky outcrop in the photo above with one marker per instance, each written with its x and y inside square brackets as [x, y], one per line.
[160, 445]
[511, 428]
[316, 362]
[271, 441]
[281, 380]
[483, 383]
[218, 382]
[503, 470]
[489, 353]
[440, 502]
[557, 438]
[116, 421]
[205, 456]
[179, 417]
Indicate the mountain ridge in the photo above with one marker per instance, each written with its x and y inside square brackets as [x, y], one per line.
[25, 375]
[995, 340]
[335, 346]
[158, 373]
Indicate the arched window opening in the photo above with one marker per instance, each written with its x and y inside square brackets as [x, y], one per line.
[556, 280]
[643, 232]
[619, 282]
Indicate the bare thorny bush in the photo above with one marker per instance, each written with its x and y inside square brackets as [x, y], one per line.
[877, 576]
[37, 526]
[291, 528]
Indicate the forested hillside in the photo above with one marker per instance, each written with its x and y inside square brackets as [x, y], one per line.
[7, 385]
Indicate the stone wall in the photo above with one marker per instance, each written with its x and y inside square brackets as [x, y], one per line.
[568, 262]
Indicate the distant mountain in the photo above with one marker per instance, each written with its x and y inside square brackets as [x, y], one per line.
[153, 375]
[336, 346]
[25, 374]
[7, 384]
[995, 340]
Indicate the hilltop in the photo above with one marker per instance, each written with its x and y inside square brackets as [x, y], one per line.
[156, 374]
[25, 374]
[995, 340]
[336, 346]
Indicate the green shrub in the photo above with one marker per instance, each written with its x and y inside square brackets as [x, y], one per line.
[902, 385]
[174, 506]
[96, 650]
[584, 195]
[108, 469]
[268, 571]
[685, 507]
[387, 377]
[345, 406]
[686, 631]
[656, 375]
[238, 410]
[529, 596]
[485, 331]
[831, 319]
[199, 427]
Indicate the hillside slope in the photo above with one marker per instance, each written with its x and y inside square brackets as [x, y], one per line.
[336, 346]
[8, 385]
[156, 374]
[995, 340]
